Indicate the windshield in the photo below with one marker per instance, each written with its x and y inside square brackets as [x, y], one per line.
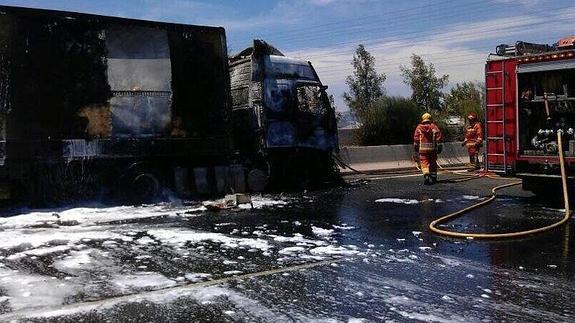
[311, 98]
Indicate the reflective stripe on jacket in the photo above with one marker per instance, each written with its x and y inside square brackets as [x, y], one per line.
[474, 134]
[427, 136]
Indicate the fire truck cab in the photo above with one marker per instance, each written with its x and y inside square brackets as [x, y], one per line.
[530, 98]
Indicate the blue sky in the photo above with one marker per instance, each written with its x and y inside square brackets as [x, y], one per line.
[455, 35]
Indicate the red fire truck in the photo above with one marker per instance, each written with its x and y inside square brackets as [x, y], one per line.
[530, 98]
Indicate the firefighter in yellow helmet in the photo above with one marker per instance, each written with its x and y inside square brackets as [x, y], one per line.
[473, 139]
[427, 142]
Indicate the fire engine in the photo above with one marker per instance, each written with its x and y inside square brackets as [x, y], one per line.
[530, 99]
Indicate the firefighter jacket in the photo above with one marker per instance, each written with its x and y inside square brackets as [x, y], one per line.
[427, 136]
[473, 135]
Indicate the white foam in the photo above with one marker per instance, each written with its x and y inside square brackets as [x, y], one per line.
[99, 215]
[180, 236]
[298, 239]
[34, 238]
[321, 232]
[260, 202]
[343, 227]
[291, 250]
[233, 272]
[31, 291]
[87, 216]
[397, 201]
[333, 250]
[142, 281]
[197, 277]
[39, 252]
[76, 261]
[145, 241]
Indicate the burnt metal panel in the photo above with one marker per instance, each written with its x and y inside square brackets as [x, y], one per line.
[280, 96]
[200, 81]
[59, 67]
[5, 67]
[138, 58]
[139, 74]
[281, 134]
[281, 67]
[82, 78]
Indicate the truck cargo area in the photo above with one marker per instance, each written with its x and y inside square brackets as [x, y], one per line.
[93, 106]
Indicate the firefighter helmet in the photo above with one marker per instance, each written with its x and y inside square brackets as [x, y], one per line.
[426, 117]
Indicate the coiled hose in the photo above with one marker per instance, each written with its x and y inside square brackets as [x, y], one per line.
[433, 225]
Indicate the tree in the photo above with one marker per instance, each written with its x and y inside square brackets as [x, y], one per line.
[465, 98]
[390, 121]
[365, 85]
[426, 86]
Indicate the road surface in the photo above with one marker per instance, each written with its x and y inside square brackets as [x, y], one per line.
[359, 253]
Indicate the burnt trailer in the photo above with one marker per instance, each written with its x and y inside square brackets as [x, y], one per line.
[284, 125]
[93, 105]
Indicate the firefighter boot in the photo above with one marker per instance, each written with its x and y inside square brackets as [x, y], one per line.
[476, 162]
[427, 180]
[471, 166]
[433, 179]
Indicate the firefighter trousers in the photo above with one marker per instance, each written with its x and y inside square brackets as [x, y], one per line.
[473, 151]
[428, 163]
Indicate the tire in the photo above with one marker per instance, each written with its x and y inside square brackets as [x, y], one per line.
[145, 188]
[258, 180]
[138, 184]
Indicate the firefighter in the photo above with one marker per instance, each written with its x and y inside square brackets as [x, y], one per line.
[427, 142]
[473, 140]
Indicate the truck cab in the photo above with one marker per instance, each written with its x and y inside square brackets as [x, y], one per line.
[284, 123]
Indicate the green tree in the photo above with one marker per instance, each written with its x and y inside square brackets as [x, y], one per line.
[425, 85]
[389, 121]
[465, 98]
[365, 85]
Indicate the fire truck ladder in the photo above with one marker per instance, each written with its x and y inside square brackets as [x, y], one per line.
[500, 138]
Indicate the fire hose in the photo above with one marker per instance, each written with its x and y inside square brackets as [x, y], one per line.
[433, 225]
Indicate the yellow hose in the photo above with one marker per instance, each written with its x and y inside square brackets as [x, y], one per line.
[433, 225]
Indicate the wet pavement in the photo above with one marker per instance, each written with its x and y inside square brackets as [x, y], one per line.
[352, 254]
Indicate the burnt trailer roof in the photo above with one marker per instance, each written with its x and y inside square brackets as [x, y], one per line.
[75, 76]
[79, 15]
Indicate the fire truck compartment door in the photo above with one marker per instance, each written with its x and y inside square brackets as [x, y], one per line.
[546, 66]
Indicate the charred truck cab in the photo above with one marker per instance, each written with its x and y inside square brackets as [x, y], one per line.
[530, 99]
[284, 124]
[90, 102]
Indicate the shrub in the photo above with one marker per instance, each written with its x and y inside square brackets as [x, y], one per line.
[390, 121]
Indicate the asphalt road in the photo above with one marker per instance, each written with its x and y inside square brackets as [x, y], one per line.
[351, 254]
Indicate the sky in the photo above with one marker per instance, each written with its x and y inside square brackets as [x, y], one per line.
[455, 35]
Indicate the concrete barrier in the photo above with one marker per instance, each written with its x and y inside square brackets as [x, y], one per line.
[396, 157]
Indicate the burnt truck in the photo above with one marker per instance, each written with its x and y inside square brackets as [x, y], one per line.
[91, 106]
[530, 99]
[283, 123]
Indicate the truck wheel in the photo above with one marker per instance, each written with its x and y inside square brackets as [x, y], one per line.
[144, 187]
[257, 180]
